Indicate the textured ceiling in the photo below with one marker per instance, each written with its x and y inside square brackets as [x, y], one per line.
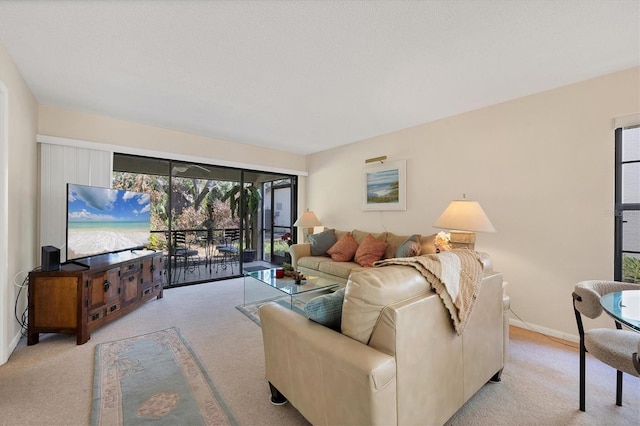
[304, 76]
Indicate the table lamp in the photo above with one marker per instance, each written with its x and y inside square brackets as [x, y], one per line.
[307, 221]
[464, 218]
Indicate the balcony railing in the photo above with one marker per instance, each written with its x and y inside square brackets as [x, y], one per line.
[197, 255]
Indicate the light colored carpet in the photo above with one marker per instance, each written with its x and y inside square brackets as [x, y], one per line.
[540, 386]
[50, 383]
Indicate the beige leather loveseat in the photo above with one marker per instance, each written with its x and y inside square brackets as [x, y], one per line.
[398, 359]
[323, 266]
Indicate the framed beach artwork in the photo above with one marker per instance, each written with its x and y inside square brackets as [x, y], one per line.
[384, 186]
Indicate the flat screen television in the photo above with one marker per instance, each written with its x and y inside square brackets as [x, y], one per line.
[104, 220]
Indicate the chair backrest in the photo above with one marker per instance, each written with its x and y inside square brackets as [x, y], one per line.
[232, 235]
[179, 239]
[588, 300]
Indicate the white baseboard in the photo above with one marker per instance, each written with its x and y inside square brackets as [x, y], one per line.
[544, 330]
[11, 348]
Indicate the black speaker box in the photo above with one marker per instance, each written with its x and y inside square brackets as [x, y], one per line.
[50, 258]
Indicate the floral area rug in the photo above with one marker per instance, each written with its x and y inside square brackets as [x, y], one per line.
[251, 309]
[154, 378]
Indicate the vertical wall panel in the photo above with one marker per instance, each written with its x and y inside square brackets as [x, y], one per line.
[60, 165]
[82, 169]
[5, 333]
[102, 167]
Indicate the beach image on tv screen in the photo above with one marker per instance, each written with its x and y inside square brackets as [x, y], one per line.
[103, 220]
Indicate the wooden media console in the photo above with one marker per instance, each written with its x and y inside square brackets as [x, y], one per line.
[87, 294]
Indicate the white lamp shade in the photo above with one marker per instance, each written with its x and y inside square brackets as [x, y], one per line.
[465, 215]
[307, 220]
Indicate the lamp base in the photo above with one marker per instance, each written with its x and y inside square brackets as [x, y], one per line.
[305, 234]
[463, 239]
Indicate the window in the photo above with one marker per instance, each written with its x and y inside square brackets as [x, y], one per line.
[627, 205]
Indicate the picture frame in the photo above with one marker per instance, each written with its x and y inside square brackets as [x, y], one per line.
[384, 186]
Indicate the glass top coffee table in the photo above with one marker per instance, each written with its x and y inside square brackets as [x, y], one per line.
[263, 285]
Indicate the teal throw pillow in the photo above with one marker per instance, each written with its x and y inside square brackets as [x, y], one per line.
[326, 309]
[410, 247]
[322, 242]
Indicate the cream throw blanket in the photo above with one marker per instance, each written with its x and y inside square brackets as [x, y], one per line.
[455, 275]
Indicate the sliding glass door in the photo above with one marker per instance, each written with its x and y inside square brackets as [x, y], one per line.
[279, 215]
[204, 228]
[208, 220]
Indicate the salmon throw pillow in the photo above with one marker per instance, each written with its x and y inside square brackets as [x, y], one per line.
[370, 250]
[344, 249]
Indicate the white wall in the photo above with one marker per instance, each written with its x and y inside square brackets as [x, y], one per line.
[541, 166]
[19, 189]
[70, 124]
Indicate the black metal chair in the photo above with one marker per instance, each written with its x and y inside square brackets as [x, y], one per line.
[210, 251]
[184, 258]
[611, 346]
[229, 248]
